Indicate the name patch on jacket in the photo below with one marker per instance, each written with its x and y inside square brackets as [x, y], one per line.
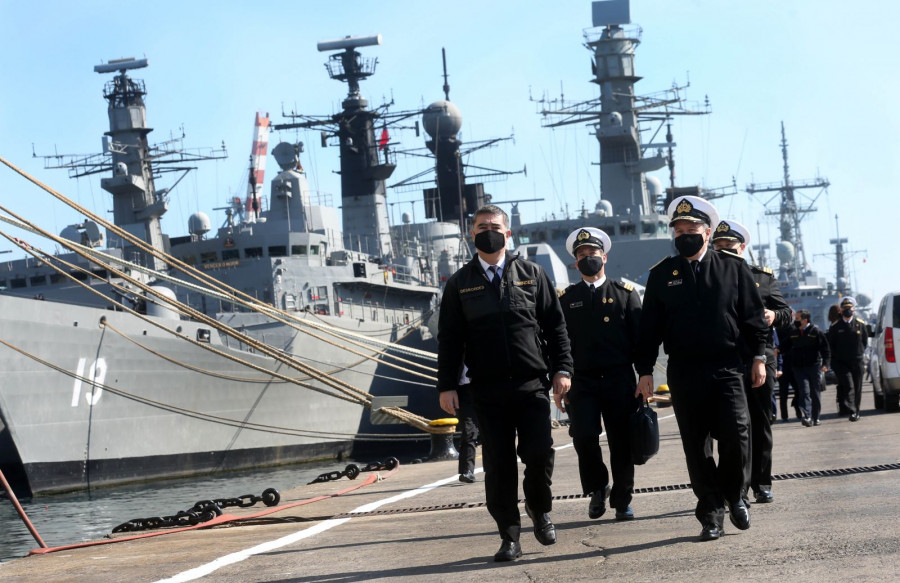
[524, 282]
[576, 304]
[471, 289]
[675, 282]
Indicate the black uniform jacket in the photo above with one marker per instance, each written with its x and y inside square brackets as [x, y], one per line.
[847, 340]
[603, 327]
[807, 347]
[771, 297]
[505, 337]
[707, 322]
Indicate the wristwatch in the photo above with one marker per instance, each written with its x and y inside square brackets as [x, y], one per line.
[761, 358]
[565, 373]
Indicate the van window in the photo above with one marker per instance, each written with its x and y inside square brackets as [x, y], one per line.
[896, 323]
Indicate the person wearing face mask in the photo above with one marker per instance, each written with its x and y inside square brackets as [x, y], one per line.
[810, 355]
[705, 309]
[500, 316]
[731, 237]
[602, 319]
[848, 339]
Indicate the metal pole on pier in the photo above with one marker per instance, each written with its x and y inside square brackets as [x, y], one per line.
[21, 511]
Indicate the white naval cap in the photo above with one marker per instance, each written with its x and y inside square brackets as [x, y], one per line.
[730, 230]
[588, 236]
[848, 301]
[694, 209]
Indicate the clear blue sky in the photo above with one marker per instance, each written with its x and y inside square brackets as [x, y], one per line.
[828, 72]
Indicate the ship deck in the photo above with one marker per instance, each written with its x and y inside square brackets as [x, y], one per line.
[834, 519]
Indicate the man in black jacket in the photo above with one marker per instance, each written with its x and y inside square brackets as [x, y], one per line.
[602, 318]
[703, 306]
[732, 237]
[501, 314]
[810, 354]
[848, 339]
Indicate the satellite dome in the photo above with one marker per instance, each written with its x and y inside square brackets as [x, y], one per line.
[442, 119]
[121, 169]
[71, 233]
[654, 186]
[785, 251]
[198, 224]
[604, 208]
[842, 283]
[614, 118]
[863, 301]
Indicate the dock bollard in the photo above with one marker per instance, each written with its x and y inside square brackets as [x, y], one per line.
[663, 398]
[442, 447]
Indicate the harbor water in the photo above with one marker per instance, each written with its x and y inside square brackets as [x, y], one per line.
[75, 518]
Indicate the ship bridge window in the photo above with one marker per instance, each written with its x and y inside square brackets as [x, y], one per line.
[79, 275]
[252, 252]
[209, 257]
[17, 283]
[278, 251]
[101, 273]
[56, 278]
[627, 228]
[2, 284]
[608, 229]
[298, 249]
[649, 228]
[190, 259]
[229, 254]
[313, 249]
[38, 280]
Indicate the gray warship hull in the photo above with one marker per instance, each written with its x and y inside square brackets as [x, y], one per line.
[165, 409]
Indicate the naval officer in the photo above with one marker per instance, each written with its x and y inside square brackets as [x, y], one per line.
[501, 314]
[602, 318]
[703, 306]
[848, 338]
[732, 237]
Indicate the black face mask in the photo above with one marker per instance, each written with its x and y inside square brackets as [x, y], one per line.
[689, 245]
[798, 324]
[847, 312]
[490, 241]
[590, 265]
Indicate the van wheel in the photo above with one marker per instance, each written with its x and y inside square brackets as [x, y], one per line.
[891, 403]
[879, 400]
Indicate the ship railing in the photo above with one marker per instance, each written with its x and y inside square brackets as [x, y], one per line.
[596, 34]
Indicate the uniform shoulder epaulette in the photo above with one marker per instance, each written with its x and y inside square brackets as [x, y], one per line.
[861, 321]
[625, 286]
[762, 269]
[728, 252]
[562, 292]
[658, 263]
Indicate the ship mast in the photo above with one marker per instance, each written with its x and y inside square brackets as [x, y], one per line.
[791, 253]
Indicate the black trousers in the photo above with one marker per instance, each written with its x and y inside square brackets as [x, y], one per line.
[710, 403]
[468, 436]
[759, 404]
[609, 396]
[505, 410]
[808, 391]
[849, 384]
[784, 384]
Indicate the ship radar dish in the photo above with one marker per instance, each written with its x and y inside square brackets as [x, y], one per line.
[442, 119]
[287, 155]
[785, 251]
[121, 65]
[120, 169]
[198, 224]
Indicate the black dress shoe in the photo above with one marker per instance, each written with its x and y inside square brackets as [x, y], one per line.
[597, 507]
[544, 531]
[806, 422]
[509, 551]
[764, 495]
[854, 417]
[467, 478]
[711, 531]
[816, 422]
[739, 515]
[625, 514]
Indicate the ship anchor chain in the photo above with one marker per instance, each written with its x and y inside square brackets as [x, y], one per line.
[352, 471]
[202, 511]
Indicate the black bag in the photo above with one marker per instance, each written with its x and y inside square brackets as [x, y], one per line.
[644, 430]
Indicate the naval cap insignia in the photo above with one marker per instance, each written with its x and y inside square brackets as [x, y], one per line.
[583, 235]
[684, 207]
[723, 227]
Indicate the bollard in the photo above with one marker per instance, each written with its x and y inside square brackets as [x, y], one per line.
[663, 398]
[442, 447]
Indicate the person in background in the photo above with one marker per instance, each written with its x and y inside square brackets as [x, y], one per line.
[732, 237]
[602, 319]
[848, 339]
[809, 356]
[501, 315]
[704, 308]
[786, 380]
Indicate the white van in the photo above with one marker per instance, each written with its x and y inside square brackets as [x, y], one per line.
[884, 363]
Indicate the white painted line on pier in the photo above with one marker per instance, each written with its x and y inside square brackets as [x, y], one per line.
[266, 547]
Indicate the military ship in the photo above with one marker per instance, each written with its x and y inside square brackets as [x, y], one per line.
[631, 208]
[288, 335]
[803, 288]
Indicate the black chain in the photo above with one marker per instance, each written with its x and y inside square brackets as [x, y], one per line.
[352, 471]
[202, 511]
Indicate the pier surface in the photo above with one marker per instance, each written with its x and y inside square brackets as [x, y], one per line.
[836, 517]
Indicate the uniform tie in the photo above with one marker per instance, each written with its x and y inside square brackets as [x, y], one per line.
[695, 266]
[495, 278]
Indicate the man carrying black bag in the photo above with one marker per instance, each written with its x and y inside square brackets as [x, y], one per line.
[602, 318]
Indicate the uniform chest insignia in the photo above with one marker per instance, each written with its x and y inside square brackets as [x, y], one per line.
[674, 272]
[675, 282]
[471, 289]
[576, 304]
[757, 284]
[524, 282]
[606, 318]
